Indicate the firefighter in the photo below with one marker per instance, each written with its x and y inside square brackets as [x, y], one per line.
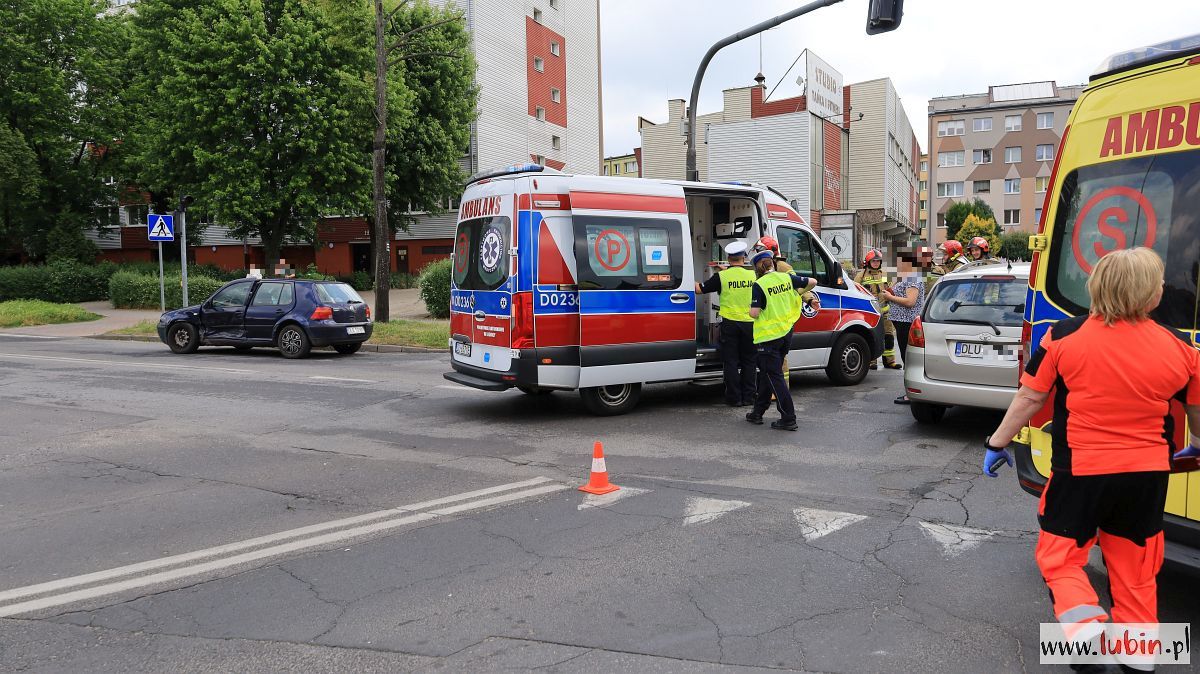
[809, 297]
[952, 258]
[874, 279]
[735, 283]
[1109, 469]
[979, 249]
[775, 307]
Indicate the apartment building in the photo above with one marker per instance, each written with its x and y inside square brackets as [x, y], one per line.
[998, 146]
[923, 197]
[623, 166]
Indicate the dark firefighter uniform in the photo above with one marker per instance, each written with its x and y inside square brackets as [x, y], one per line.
[875, 280]
[777, 296]
[737, 328]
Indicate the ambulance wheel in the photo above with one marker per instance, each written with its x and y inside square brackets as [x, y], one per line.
[183, 338]
[848, 361]
[925, 413]
[608, 401]
[534, 391]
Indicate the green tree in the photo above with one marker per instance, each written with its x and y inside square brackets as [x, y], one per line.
[958, 212]
[1014, 246]
[258, 108]
[59, 80]
[975, 226]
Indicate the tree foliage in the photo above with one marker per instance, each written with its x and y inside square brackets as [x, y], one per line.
[975, 226]
[1014, 246]
[957, 214]
[59, 81]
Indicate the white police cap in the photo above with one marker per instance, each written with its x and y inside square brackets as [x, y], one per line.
[735, 248]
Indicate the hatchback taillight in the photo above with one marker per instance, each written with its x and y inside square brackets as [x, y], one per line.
[368, 312]
[321, 314]
[916, 334]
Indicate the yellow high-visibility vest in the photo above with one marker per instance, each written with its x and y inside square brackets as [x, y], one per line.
[782, 310]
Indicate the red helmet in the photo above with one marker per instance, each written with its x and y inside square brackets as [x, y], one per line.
[768, 243]
[872, 255]
[952, 247]
[980, 243]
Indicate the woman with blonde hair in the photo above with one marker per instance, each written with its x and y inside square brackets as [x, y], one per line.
[1113, 374]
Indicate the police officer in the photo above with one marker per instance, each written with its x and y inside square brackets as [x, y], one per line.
[874, 279]
[775, 307]
[737, 328]
[979, 249]
[781, 265]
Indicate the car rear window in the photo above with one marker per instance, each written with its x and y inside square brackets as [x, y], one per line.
[999, 301]
[337, 293]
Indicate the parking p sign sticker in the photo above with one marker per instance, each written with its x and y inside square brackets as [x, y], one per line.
[160, 227]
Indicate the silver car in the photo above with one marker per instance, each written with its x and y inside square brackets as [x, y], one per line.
[965, 348]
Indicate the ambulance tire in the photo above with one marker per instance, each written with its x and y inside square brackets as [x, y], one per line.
[848, 360]
[535, 391]
[609, 401]
[925, 413]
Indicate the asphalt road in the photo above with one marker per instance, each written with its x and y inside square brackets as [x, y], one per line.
[240, 512]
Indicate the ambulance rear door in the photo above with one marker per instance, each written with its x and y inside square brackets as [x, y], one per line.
[637, 299]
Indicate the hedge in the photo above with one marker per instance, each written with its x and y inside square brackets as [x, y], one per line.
[59, 282]
[434, 285]
[130, 290]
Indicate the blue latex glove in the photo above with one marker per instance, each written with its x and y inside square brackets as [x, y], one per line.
[993, 459]
[1189, 452]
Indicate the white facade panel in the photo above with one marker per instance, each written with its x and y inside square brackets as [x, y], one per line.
[581, 146]
[770, 150]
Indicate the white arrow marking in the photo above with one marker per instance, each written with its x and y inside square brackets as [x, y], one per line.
[605, 500]
[815, 523]
[956, 540]
[705, 510]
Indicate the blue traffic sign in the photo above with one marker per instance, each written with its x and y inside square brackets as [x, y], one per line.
[160, 227]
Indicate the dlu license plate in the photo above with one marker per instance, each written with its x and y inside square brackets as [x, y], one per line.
[462, 349]
[968, 350]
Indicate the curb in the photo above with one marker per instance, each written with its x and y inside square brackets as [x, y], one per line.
[374, 348]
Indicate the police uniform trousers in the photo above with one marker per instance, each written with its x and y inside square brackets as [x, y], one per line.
[771, 380]
[737, 356]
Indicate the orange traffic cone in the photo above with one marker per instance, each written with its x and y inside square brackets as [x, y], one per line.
[599, 484]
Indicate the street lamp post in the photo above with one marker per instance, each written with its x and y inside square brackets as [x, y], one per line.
[183, 204]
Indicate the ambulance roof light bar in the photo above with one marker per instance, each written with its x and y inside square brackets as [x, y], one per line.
[1141, 56]
[512, 170]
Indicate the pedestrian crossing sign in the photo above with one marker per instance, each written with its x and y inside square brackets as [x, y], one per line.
[160, 227]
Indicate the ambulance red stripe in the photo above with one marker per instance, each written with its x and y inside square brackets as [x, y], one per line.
[637, 328]
[545, 202]
[608, 201]
[556, 329]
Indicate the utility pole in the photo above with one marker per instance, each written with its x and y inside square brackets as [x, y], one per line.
[382, 237]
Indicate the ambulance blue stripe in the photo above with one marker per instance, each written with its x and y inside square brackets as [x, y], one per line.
[635, 302]
[488, 300]
[857, 304]
[829, 300]
[551, 300]
[528, 224]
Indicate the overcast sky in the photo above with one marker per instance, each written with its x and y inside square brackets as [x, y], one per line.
[943, 47]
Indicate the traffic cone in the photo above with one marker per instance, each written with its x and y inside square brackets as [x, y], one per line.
[599, 484]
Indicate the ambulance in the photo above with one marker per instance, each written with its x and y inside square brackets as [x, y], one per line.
[1127, 174]
[568, 282]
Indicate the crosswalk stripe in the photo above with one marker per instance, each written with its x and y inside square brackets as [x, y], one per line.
[954, 539]
[703, 510]
[605, 500]
[815, 523]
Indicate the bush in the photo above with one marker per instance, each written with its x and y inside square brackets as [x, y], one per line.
[60, 282]
[211, 271]
[404, 281]
[434, 285]
[1015, 246]
[130, 290]
[22, 283]
[361, 280]
[314, 274]
[66, 243]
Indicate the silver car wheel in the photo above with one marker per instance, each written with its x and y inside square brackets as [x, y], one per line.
[290, 341]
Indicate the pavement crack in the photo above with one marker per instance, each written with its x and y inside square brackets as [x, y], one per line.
[717, 627]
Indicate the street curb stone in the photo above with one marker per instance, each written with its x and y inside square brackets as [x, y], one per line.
[375, 348]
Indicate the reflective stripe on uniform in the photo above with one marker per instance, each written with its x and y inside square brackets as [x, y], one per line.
[737, 289]
[1082, 613]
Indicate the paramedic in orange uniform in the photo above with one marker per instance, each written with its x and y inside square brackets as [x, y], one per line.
[1113, 375]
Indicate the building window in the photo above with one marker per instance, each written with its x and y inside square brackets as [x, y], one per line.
[537, 15]
[1012, 122]
[981, 186]
[981, 156]
[981, 124]
[556, 142]
[1012, 155]
[539, 159]
[924, 185]
[1045, 153]
[955, 127]
[554, 49]
[946, 159]
[1037, 216]
[950, 189]
[540, 113]
[556, 96]
[538, 64]
[1045, 120]
[631, 167]
[553, 4]
[941, 220]
[437, 250]
[1040, 185]
[604, 170]
[924, 205]
[138, 215]
[1012, 216]
[1012, 185]
[924, 166]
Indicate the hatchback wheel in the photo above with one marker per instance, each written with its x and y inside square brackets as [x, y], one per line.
[848, 360]
[607, 401]
[925, 413]
[183, 338]
[293, 342]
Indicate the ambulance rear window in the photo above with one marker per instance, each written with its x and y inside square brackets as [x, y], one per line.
[481, 253]
[1151, 201]
[629, 253]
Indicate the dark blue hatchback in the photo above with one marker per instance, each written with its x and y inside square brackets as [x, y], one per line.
[292, 314]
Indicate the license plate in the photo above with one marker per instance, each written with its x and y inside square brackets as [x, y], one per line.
[968, 350]
[462, 349]
[355, 331]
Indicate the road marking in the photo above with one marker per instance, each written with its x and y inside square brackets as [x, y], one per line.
[127, 363]
[815, 523]
[704, 510]
[14, 334]
[956, 540]
[359, 381]
[174, 560]
[605, 500]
